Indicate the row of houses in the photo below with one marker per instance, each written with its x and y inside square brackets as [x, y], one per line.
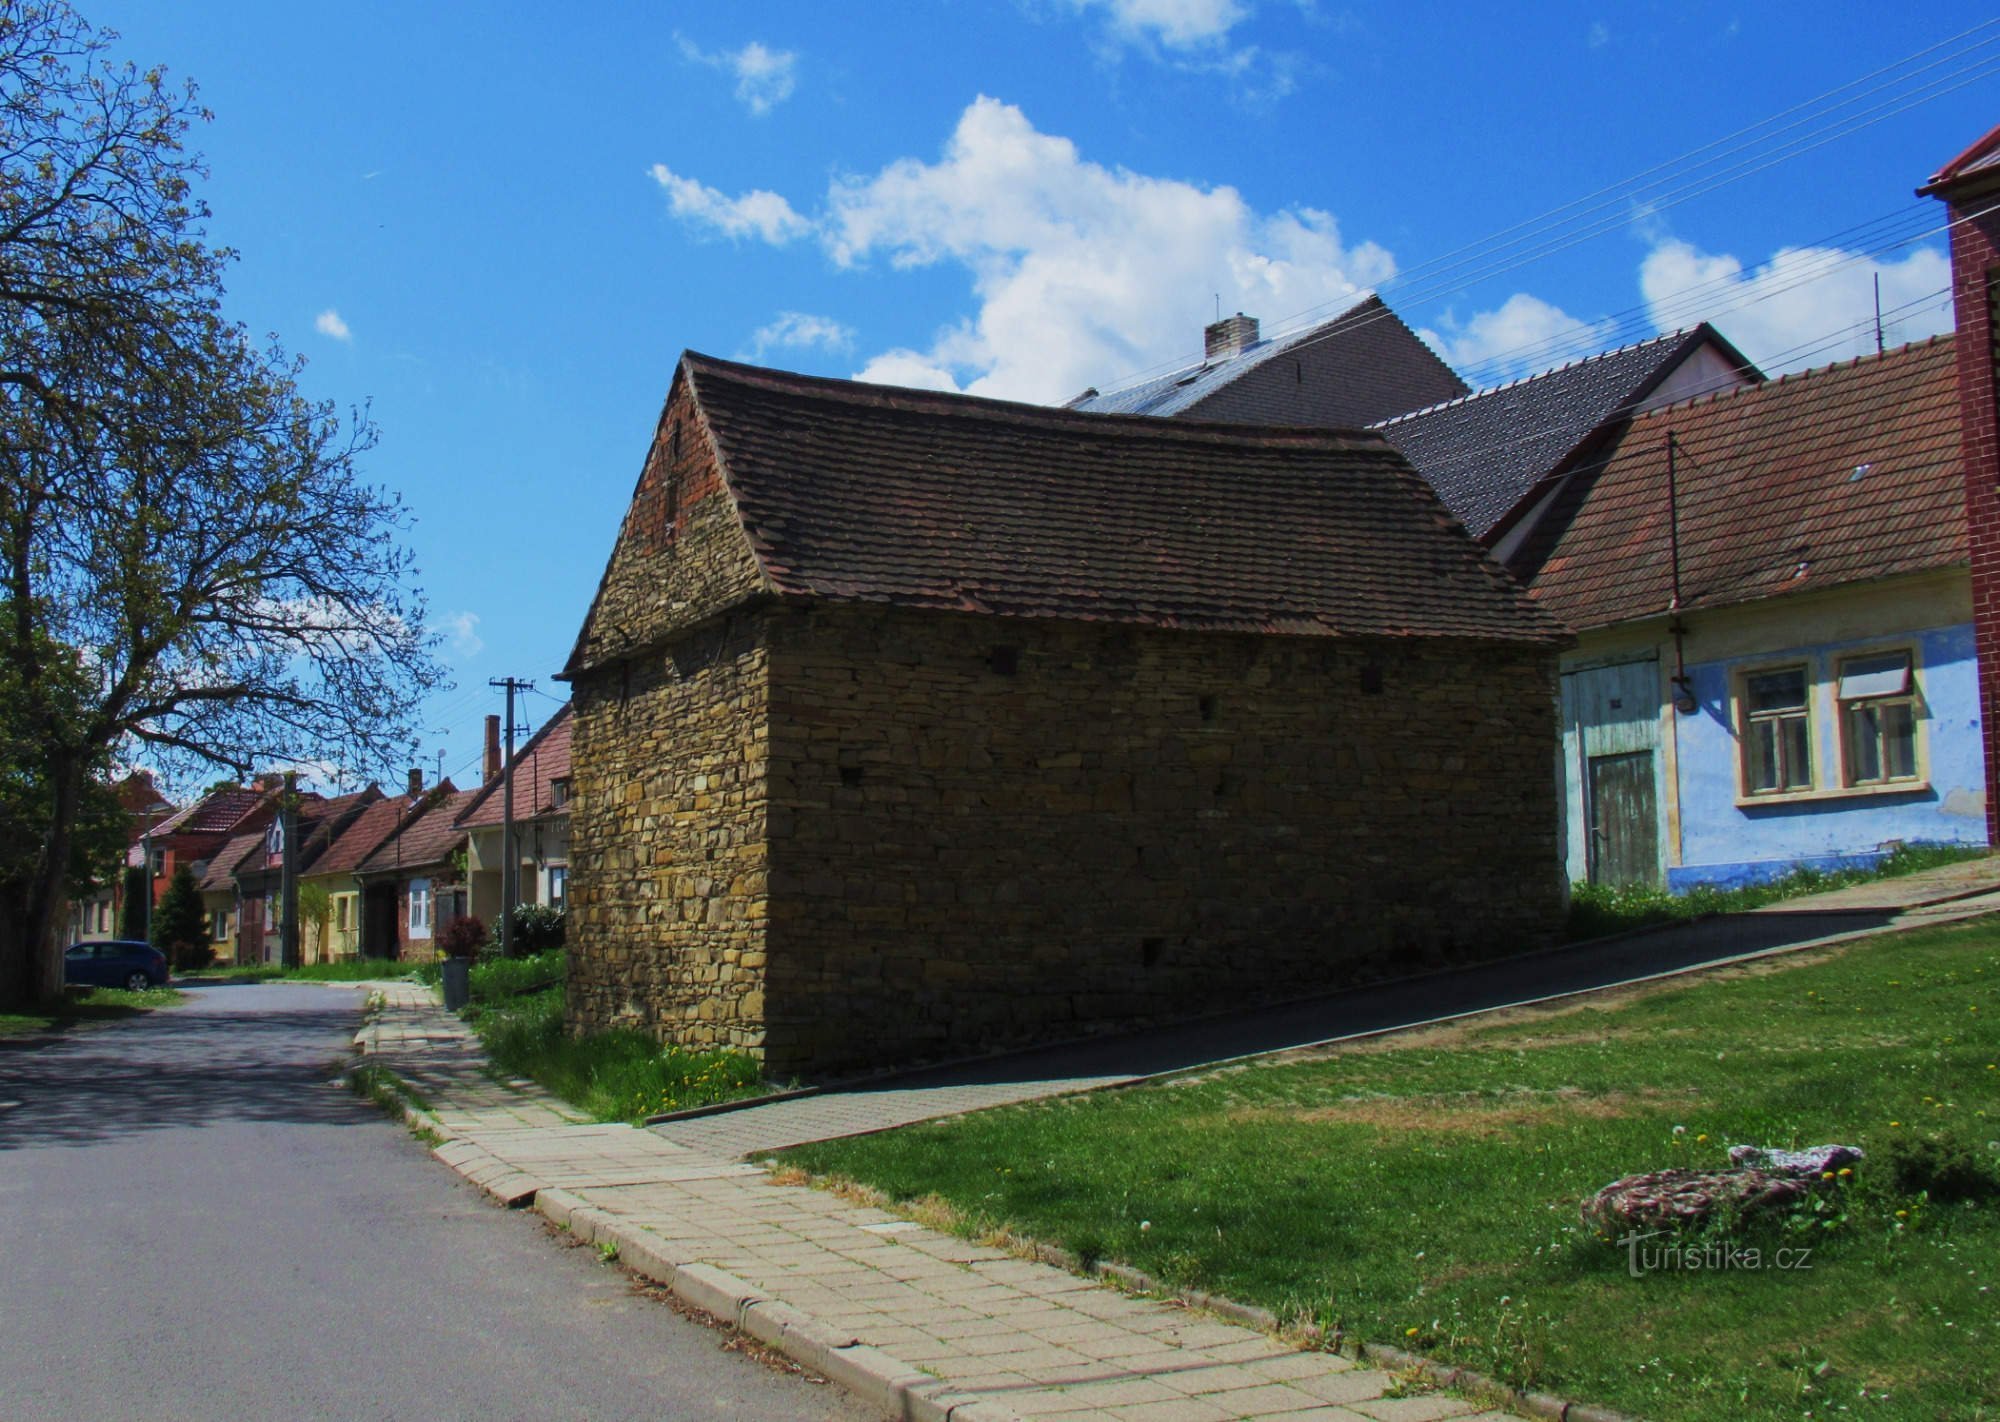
[379, 874]
[913, 724]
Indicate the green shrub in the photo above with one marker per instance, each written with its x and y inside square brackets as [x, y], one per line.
[1943, 1168]
[462, 937]
[180, 924]
[538, 928]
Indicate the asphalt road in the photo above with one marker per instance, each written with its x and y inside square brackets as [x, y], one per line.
[195, 1224]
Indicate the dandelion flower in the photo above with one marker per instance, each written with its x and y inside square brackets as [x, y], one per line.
[1409, 1332]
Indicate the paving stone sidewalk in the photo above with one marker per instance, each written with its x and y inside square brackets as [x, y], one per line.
[924, 1325]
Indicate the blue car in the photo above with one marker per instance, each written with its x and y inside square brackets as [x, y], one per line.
[115, 963]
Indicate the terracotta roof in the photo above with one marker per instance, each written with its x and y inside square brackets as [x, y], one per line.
[223, 864]
[1484, 453]
[1383, 369]
[1836, 475]
[544, 758]
[363, 836]
[214, 813]
[871, 494]
[1982, 157]
[429, 839]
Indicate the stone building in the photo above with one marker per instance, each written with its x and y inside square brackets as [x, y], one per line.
[911, 724]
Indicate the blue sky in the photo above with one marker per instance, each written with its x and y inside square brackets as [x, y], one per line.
[501, 224]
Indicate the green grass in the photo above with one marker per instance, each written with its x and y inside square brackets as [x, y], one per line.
[517, 1009]
[1423, 1189]
[85, 1005]
[1596, 910]
[355, 971]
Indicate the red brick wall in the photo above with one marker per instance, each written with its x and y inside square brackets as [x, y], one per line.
[1975, 249]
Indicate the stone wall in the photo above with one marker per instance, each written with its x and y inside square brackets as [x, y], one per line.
[988, 831]
[667, 841]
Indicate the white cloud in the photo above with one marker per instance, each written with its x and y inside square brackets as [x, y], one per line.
[757, 213]
[1177, 24]
[328, 323]
[1082, 272]
[1806, 306]
[765, 77]
[1599, 35]
[800, 330]
[462, 628]
[1525, 334]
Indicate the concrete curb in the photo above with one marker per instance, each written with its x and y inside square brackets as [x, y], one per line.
[1530, 1404]
[883, 1381]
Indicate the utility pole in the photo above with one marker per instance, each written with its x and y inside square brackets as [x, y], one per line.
[510, 858]
[288, 928]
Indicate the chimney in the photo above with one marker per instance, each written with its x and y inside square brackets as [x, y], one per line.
[492, 749]
[1228, 336]
[416, 782]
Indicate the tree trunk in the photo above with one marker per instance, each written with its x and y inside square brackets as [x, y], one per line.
[31, 911]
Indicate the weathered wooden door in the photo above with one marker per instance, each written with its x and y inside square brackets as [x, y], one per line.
[1611, 744]
[1624, 819]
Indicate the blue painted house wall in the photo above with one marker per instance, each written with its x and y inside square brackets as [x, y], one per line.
[1725, 841]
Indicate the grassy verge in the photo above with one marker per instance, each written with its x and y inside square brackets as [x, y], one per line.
[517, 1009]
[359, 970]
[1596, 910]
[1423, 1189]
[85, 1005]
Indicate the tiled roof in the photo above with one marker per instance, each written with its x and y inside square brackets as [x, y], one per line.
[214, 813]
[430, 839]
[870, 494]
[223, 864]
[1982, 157]
[1485, 452]
[1384, 370]
[1837, 475]
[362, 837]
[544, 758]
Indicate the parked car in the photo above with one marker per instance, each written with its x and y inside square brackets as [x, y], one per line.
[115, 963]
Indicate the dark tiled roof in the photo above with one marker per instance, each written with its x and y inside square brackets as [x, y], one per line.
[363, 836]
[544, 758]
[429, 839]
[870, 494]
[1485, 452]
[214, 813]
[1768, 494]
[222, 866]
[1368, 366]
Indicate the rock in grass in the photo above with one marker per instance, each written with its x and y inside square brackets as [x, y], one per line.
[1810, 1163]
[1689, 1199]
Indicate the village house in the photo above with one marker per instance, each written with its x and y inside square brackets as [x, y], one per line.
[336, 937]
[1776, 662]
[259, 874]
[97, 914]
[1361, 366]
[414, 882]
[540, 775]
[910, 724]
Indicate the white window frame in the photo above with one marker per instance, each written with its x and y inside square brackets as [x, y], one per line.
[559, 886]
[418, 921]
[1909, 698]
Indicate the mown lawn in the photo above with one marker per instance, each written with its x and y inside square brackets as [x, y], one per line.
[1423, 1189]
[517, 1010]
[85, 1005]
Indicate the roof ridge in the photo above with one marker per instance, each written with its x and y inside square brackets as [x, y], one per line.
[1680, 334]
[1279, 333]
[485, 790]
[959, 405]
[1794, 378]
